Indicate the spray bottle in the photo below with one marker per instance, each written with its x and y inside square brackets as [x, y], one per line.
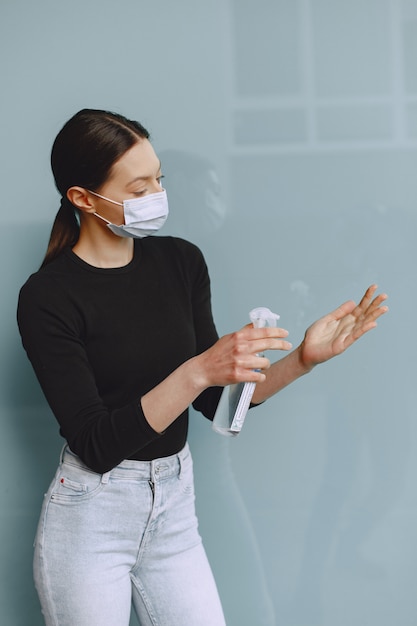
[235, 399]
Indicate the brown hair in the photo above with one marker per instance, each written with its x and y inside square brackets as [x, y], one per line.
[83, 154]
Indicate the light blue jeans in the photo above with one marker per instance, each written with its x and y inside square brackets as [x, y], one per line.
[130, 535]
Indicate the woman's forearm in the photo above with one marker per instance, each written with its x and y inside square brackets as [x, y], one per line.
[165, 402]
[279, 375]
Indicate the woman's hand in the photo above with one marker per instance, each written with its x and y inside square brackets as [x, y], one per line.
[238, 357]
[335, 332]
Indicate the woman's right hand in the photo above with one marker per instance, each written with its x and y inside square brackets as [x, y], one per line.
[237, 357]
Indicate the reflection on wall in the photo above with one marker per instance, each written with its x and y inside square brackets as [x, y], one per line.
[197, 209]
[198, 212]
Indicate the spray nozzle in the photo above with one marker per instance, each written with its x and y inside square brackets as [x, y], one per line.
[262, 316]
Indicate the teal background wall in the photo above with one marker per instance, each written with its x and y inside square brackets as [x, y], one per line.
[288, 135]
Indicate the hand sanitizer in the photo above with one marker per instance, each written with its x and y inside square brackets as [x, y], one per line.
[235, 399]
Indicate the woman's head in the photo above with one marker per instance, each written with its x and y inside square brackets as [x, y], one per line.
[88, 145]
[83, 154]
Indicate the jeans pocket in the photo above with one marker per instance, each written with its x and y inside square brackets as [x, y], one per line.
[73, 484]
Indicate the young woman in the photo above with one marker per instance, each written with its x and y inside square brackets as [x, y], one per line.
[119, 330]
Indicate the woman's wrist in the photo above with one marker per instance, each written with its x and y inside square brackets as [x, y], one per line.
[304, 366]
[196, 374]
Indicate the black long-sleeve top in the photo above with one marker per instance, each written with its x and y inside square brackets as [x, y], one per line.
[99, 339]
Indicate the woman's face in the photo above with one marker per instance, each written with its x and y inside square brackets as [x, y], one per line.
[136, 174]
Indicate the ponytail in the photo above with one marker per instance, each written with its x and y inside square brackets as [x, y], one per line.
[65, 231]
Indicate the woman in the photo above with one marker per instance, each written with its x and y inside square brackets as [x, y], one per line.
[119, 330]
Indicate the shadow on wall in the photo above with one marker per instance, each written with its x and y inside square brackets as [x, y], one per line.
[30, 443]
[198, 213]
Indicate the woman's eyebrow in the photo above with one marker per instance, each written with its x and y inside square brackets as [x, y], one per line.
[137, 178]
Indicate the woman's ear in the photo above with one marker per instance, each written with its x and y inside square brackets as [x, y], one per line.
[81, 198]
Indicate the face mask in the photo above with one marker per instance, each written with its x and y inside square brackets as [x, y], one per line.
[143, 216]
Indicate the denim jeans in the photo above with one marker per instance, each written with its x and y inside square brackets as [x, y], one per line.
[105, 541]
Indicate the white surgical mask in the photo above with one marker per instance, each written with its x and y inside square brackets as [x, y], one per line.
[143, 216]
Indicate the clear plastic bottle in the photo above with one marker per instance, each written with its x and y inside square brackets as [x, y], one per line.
[235, 399]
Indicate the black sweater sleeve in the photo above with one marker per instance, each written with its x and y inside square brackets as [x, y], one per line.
[102, 437]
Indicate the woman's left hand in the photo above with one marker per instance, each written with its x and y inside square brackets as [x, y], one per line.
[335, 332]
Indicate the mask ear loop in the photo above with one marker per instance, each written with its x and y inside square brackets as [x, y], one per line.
[102, 218]
[104, 198]
[108, 200]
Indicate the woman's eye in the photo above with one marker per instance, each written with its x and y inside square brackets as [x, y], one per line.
[142, 192]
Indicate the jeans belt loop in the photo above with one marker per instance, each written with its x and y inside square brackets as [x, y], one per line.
[180, 466]
[105, 478]
[63, 451]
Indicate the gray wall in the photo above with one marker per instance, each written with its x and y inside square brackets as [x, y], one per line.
[288, 135]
